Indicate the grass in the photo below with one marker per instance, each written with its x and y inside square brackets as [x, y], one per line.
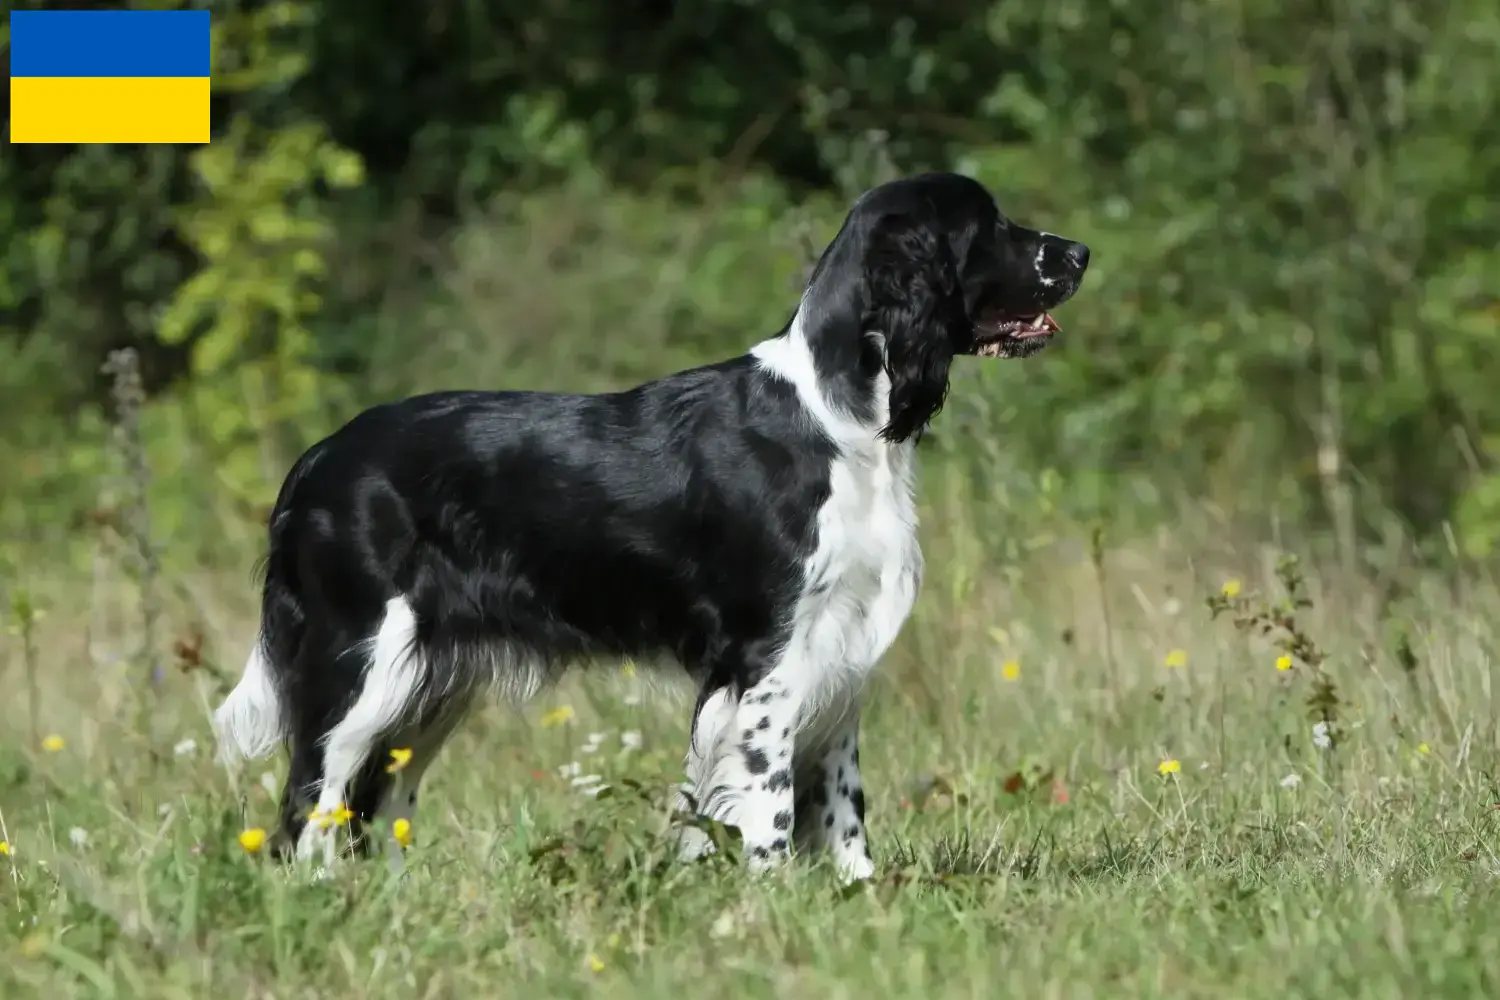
[1027, 841]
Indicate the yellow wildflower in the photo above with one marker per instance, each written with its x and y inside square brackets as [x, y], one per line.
[53, 743]
[401, 830]
[252, 840]
[628, 669]
[4, 848]
[336, 816]
[400, 757]
[1423, 749]
[1177, 658]
[1168, 766]
[560, 715]
[1283, 663]
[1011, 670]
[1231, 588]
[595, 964]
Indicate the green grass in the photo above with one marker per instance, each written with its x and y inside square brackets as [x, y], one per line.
[1373, 877]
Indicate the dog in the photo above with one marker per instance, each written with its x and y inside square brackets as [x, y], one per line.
[752, 520]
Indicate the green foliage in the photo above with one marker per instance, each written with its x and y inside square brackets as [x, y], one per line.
[1290, 310]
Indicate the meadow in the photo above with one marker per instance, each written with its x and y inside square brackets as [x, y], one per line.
[1084, 782]
[1198, 697]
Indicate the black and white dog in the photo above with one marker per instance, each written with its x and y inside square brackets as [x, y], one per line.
[752, 520]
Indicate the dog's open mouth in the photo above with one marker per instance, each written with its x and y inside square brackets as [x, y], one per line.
[1007, 337]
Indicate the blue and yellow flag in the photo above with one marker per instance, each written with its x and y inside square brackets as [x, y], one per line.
[109, 76]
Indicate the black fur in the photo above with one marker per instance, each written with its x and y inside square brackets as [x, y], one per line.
[668, 520]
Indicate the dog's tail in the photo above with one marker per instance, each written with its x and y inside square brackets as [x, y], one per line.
[250, 724]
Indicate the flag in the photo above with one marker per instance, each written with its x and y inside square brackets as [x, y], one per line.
[109, 76]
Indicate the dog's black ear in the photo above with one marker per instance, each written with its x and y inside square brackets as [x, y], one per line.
[915, 299]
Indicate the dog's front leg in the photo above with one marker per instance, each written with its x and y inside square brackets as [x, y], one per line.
[831, 805]
[740, 770]
[766, 723]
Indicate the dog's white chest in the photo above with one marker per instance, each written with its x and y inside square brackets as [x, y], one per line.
[863, 576]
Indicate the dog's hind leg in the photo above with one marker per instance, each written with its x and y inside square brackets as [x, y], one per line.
[387, 695]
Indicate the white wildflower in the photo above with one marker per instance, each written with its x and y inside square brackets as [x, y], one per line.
[78, 836]
[633, 698]
[1322, 736]
[185, 748]
[589, 784]
[570, 769]
[1291, 781]
[268, 782]
[631, 739]
[592, 742]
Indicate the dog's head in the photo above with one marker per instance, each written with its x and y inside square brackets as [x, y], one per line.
[942, 272]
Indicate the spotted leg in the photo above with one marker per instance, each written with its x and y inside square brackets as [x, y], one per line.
[831, 808]
[745, 776]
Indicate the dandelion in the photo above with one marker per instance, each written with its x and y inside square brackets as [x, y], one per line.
[1011, 670]
[252, 840]
[53, 743]
[4, 848]
[78, 837]
[1283, 663]
[1322, 736]
[1168, 766]
[185, 748]
[400, 757]
[1176, 659]
[631, 739]
[401, 831]
[1291, 781]
[559, 716]
[337, 816]
[1231, 588]
[595, 963]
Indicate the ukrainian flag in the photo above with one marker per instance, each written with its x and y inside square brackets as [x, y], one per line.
[109, 76]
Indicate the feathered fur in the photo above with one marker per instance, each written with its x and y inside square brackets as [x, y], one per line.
[751, 520]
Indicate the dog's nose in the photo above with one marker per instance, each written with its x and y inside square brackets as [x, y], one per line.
[1079, 255]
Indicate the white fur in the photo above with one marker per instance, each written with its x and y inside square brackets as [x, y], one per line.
[843, 834]
[860, 584]
[1039, 262]
[388, 693]
[249, 724]
[868, 562]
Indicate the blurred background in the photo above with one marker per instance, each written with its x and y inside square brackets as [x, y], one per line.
[1290, 325]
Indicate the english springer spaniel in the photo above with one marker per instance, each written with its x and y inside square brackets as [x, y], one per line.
[752, 520]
